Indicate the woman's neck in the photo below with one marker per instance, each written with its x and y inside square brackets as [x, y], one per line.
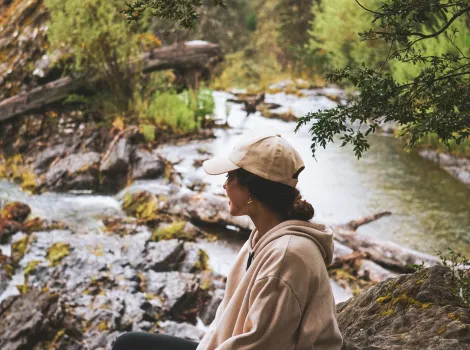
[265, 220]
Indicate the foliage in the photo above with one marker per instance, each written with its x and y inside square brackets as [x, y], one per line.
[460, 267]
[294, 22]
[102, 43]
[431, 98]
[182, 11]
[202, 104]
[460, 150]
[168, 110]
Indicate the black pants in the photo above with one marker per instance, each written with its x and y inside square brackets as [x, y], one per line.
[152, 341]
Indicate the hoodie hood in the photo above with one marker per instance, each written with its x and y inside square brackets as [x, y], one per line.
[321, 234]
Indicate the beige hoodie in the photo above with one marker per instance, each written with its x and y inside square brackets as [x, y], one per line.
[284, 300]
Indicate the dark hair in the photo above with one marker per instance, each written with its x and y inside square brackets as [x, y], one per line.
[279, 197]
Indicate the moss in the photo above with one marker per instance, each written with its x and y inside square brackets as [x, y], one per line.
[419, 282]
[142, 205]
[29, 181]
[22, 288]
[386, 312]
[426, 305]
[202, 261]
[19, 247]
[31, 267]
[103, 326]
[14, 169]
[405, 300]
[384, 299]
[454, 316]
[172, 231]
[207, 284]
[8, 269]
[57, 252]
[441, 330]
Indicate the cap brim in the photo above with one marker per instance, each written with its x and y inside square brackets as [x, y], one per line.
[219, 165]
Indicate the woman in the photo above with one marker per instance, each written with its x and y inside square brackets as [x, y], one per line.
[278, 294]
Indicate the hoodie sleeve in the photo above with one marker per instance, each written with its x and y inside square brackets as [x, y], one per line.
[273, 317]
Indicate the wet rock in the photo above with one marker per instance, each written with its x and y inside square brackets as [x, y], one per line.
[46, 157]
[195, 259]
[206, 208]
[75, 172]
[180, 292]
[7, 229]
[417, 311]
[456, 166]
[163, 256]
[146, 165]
[215, 298]
[115, 167]
[6, 271]
[287, 116]
[182, 330]
[37, 320]
[16, 211]
[37, 224]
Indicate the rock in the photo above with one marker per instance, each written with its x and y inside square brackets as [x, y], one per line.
[206, 208]
[417, 311]
[115, 167]
[179, 291]
[37, 224]
[208, 313]
[16, 211]
[163, 256]
[195, 259]
[6, 271]
[37, 320]
[146, 165]
[46, 157]
[287, 116]
[75, 172]
[181, 330]
[7, 229]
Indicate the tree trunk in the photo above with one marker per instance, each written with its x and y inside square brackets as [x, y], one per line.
[185, 57]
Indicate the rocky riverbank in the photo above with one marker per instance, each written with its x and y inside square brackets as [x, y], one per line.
[147, 272]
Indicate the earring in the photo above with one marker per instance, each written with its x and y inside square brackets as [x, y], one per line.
[251, 199]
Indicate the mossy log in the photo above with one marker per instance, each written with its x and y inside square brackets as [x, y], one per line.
[189, 57]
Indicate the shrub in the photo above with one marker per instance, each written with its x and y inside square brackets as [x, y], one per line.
[167, 109]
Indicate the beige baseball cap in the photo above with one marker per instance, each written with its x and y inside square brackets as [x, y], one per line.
[268, 156]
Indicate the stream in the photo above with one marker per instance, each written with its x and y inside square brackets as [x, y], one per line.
[430, 209]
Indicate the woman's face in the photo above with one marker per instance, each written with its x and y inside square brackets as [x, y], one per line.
[237, 194]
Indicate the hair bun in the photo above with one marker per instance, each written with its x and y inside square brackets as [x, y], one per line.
[301, 209]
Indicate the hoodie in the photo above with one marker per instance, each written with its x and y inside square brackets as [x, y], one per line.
[278, 294]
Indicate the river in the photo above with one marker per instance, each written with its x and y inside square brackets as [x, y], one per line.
[430, 209]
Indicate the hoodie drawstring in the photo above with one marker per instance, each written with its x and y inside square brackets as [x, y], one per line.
[250, 259]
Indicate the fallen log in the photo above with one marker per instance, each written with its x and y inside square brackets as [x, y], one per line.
[347, 259]
[190, 57]
[385, 253]
[354, 224]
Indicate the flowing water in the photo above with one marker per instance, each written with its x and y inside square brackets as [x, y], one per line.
[430, 209]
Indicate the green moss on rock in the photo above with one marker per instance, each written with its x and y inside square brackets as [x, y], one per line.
[57, 252]
[176, 230]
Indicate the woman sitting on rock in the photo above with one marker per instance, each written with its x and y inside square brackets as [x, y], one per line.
[278, 294]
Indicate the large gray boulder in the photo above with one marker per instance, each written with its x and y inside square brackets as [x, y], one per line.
[115, 167]
[146, 165]
[417, 311]
[75, 172]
